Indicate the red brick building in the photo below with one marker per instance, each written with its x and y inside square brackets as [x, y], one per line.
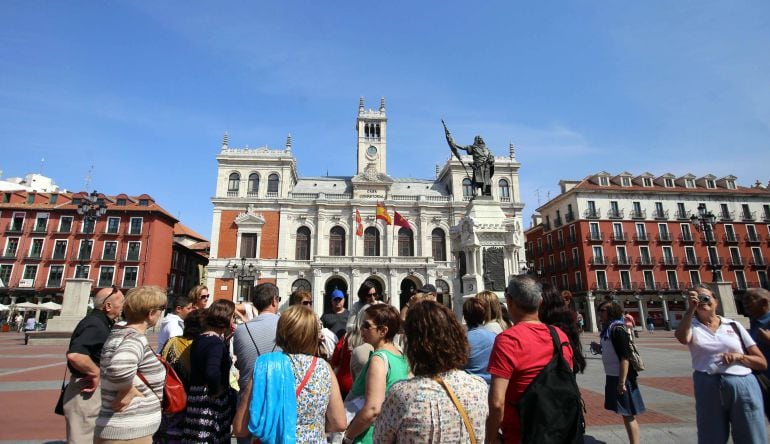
[43, 242]
[632, 237]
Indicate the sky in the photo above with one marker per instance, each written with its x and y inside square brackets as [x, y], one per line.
[137, 94]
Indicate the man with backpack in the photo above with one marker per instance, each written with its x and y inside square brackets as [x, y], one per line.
[518, 359]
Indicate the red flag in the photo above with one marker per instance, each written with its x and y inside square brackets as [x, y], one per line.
[359, 225]
[401, 221]
[382, 213]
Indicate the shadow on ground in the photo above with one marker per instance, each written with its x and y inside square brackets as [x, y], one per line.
[588, 439]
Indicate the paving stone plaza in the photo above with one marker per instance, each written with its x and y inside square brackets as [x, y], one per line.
[30, 377]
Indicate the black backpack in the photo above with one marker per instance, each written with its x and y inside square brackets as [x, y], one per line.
[551, 408]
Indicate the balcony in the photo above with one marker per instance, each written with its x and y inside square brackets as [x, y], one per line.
[681, 215]
[9, 255]
[33, 256]
[557, 222]
[766, 217]
[708, 239]
[599, 261]
[626, 286]
[232, 193]
[686, 238]
[649, 286]
[670, 286]
[82, 256]
[664, 237]
[748, 215]
[592, 214]
[546, 226]
[602, 286]
[626, 261]
[619, 237]
[59, 256]
[731, 238]
[753, 238]
[132, 257]
[736, 262]
[716, 261]
[595, 237]
[660, 214]
[758, 261]
[641, 237]
[40, 229]
[14, 228]
[109, 257]
[669, 261]
[569, 217]
[646, 261]
[691, 261]
[615, 214]
[727, 215]
[638, 214]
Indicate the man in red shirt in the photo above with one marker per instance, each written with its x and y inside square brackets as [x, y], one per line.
[518, 356]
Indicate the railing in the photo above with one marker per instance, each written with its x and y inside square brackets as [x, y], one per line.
[252, 194]
[560, 243]
[557, 222]
[731, 238]
[615, 214]
[9, 254]
[602, 286]
[727, 215]
[404, 260]
[692, 261]
[758, 261]
[34, 256]
[60, 256]
[569, 217]
[660, 214]
[595, 237]
[753, 238]
[65, 229]
[669, 261]
[624, 261]
[546, 226]
[599, 260]
[404, 198]
[638, 214]
[505, 199]
[132, 257]
[575, 261]
[53, 283]
[232, 193]
[681, 215]
[716, 261]
[110, 257]
[563, 265]
[14, 228]
[648, 286]
[646, 261]
[641, 237]
[548, 246]
[592, 214]
[303, 195]
[626, 286]
[686, 237]
[664, 237]
[272, 194]
[736, 262]
[448, 198]
[40, 229]
[748, 215]
[619, 237]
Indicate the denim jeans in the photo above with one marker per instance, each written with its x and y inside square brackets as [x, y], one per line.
[722, 401]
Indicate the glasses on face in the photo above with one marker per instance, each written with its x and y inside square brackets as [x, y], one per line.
[307, 302]
[366, 325]
[204, 297]
[278, 298]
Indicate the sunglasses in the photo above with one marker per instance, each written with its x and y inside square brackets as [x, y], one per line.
[366, 325]
[307, 302]
[372, 294]
[204, 296]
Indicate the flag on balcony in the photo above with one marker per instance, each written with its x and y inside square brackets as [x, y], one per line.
[359, 225]
[401, 221]
[382, 213]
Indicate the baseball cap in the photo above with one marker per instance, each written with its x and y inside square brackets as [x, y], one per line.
[427, 288]
[337, 294]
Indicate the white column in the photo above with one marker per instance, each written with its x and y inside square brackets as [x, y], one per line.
[593, 325]
[666, 321]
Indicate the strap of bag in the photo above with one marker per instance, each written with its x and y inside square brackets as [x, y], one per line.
[252, 339]
[466, 419]
[141, 376]
[64, 378]
[740, 337]
[308, 374]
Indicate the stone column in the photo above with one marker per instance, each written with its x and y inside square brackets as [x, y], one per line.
[642, 311]
[74, 305]
[593, 326]
[666, 320]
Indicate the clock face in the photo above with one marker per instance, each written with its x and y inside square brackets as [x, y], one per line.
[371, 151]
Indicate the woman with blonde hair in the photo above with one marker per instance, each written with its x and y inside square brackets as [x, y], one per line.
[293, 395]
[493, 320]
[199, 295]
[132, 377]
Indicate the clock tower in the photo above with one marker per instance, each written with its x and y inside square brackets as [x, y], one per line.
[371, 127]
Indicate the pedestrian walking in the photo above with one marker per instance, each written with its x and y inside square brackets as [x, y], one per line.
[650, 324]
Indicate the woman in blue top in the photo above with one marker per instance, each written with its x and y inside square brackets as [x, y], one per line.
[480, 339]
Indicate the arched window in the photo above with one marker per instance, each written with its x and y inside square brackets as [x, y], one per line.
[272, 183]
[467, 188]
[234, 183]
[371, 242]
[405, 242]
[439, 244]
[505, 191]
[337, 241]
[303, 244]
[301, 284]
[253, 183]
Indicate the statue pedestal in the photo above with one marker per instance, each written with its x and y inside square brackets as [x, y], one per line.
[724, 293]
[74, 306]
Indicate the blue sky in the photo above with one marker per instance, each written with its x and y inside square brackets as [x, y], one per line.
[144, 91]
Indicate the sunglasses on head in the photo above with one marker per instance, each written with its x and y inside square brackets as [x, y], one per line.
[114, 291]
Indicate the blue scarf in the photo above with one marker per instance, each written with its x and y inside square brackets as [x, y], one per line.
[607, 329]
[273, 408]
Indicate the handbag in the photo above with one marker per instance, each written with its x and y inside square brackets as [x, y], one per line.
[762, 380]
[463, 413]
[59, 409]
[174, 396]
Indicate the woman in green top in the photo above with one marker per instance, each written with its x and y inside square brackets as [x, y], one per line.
[380, 325]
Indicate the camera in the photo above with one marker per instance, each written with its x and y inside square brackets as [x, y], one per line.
[703, 298]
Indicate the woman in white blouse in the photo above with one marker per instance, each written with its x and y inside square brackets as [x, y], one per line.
[723, 357]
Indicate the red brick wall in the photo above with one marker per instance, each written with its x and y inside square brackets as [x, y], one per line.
[228, 234]
[269, 243]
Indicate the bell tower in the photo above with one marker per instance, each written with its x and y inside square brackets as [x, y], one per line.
[371, 127]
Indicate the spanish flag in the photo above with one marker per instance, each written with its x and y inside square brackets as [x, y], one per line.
[359, 224]
[401, 221]
[382, 213]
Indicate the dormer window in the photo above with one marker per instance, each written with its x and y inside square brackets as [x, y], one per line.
[646, 181]
[710, 183]
[668, 183]
[121, 202]
[689, 183]
[730, 184]
[144, 202]
[604, 181]
[625, 181]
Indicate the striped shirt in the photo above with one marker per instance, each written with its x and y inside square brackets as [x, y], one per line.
[126, 351]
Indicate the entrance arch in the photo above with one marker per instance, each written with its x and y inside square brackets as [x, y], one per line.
[443, 295]
[409, 287]
[334, 283]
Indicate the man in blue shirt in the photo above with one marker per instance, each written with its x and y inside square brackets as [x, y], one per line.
[757, 303]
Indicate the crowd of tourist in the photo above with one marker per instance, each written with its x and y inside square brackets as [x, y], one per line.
[374, 374]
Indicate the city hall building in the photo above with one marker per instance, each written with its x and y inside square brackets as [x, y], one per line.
[322, 233]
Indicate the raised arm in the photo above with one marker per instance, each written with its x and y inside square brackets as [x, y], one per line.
[683, 332]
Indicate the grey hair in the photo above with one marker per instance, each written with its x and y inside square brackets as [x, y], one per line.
[525, 292]
[757, 293]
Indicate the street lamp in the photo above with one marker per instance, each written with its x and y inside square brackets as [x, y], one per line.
[243, 271]
[704, 221]
[90, 208]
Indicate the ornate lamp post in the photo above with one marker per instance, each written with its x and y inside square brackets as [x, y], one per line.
[704, 221]
[91, 208]
[243, 271]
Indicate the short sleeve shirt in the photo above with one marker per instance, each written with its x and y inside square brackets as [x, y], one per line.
[707, 347]
[519, 354]
[89, 337]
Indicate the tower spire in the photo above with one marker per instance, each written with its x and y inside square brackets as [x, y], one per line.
[225, 141]
[361, 105]
[437, 171]
[512, 151]
[382, 104]
[288, 142]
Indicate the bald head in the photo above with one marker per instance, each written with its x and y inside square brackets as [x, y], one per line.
[105, 293]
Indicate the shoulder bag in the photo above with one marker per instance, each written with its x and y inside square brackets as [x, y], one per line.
[174, 396]
[762, 380]
[463, 413]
